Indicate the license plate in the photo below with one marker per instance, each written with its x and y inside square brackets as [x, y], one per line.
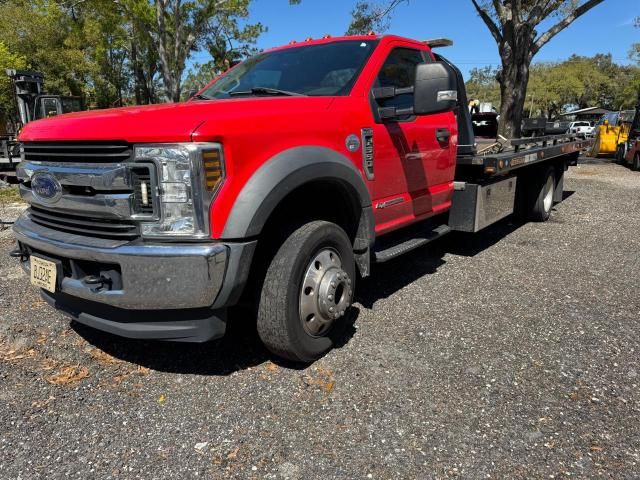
[43, 273]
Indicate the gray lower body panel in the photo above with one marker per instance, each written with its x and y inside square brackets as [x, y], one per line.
[192, 325]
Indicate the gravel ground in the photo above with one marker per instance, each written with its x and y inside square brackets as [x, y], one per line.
[509, 354]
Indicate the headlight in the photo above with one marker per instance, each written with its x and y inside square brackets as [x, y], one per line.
[189, 175]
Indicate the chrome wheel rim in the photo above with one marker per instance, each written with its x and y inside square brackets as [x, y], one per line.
[326, 292]
[548, 194]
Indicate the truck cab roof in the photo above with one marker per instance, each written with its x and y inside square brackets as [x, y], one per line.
[329, 39]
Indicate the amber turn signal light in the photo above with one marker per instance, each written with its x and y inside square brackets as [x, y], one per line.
[212, 168]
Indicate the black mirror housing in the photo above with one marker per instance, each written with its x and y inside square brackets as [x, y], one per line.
[436, 89]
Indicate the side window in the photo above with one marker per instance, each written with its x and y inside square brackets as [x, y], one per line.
[399, 70]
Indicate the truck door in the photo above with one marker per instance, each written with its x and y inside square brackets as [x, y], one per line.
[416, 154]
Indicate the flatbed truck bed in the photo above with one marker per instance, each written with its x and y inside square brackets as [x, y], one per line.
[491, 186]
[525, 151]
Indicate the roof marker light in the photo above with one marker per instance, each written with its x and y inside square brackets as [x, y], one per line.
[438, 42]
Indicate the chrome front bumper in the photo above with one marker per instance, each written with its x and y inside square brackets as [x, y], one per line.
[152, 277]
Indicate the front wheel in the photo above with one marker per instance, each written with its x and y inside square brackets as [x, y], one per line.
[308, 287]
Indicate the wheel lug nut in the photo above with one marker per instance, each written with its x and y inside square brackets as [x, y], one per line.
[331, 309]
[330, 297]
[333, 284]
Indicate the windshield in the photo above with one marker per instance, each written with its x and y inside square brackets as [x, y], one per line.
[328, 69]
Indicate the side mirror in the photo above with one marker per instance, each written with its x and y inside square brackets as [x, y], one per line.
[192, 92]
[436, 89]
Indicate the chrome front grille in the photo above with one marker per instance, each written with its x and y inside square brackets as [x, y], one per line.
[104, 193]
[83, 152]
[84, 225]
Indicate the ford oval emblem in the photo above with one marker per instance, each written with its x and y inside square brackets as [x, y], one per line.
[46, 187]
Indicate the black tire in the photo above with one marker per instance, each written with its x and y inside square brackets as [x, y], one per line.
[280, 324]
[620, 151]
[541, 195]
[636, 161]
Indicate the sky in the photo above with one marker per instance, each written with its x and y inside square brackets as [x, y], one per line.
[608, 28]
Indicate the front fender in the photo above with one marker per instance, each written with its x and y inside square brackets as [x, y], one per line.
[282, 174]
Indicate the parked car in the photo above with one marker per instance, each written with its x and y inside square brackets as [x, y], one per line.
[582, 128]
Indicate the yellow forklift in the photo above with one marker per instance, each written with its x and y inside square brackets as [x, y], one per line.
[612, 131]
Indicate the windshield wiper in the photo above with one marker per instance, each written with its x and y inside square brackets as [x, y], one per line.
[267, 91]
[199, 96]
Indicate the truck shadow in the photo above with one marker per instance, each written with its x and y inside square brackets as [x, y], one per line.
[240, 348]
[391, 277]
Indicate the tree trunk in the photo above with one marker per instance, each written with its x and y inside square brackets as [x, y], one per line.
[512, 24]
[137, 87]
[513, 91]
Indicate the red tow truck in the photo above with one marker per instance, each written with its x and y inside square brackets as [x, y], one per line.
[287, 177]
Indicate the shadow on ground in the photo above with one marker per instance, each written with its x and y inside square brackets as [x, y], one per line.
[240, 348]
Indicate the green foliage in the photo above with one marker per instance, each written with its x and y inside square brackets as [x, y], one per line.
[115, 52]
[9, 195]
[634, 53]
[8, 60]
[49, 38]
[183, 26]
[579, 82]
[483, 86]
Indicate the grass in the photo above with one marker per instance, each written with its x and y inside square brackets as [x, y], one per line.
[9, 195]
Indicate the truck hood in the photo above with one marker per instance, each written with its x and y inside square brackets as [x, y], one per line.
[175, 122]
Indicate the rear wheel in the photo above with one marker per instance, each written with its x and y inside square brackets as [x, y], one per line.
[307, 289]
[541, 195]
[636, 161]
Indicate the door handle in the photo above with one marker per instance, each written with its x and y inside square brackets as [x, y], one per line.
[443, 135]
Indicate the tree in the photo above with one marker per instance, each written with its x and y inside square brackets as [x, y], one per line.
[556, 87]
[513, 24]
[367, 17]
[482, 85]
[47, 35]
[180, 26]
[107, 37]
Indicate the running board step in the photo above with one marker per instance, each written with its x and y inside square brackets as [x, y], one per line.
[407, 244]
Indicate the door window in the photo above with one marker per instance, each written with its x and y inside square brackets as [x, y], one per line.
[399, 70]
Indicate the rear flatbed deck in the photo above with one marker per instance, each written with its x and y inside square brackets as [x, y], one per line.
[524, 151]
